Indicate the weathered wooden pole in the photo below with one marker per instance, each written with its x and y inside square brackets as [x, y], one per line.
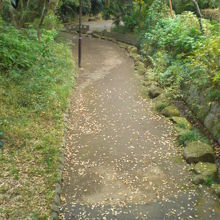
[80, 34]
[199, 15]
[171, 8]
[219, 11]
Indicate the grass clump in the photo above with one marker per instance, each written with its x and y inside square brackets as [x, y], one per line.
[35, 83]
[159, 106]
[209, 181]
[182, 122]
[188, 136]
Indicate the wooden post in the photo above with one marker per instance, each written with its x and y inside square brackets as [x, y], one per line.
[219, 11]
[199, 15]
[171, 8]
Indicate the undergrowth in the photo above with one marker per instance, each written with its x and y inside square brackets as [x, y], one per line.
[191, 135]
[35, 83]
[183, 55]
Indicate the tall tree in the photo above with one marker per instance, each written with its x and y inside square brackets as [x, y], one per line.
[43, 13]
[53, 5]
[199, 15]
[140, 4]
[1, 4]
[219, 11]
[171, 7]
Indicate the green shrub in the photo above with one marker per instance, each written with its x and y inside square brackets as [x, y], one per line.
[131, 21]
[35, 83]
[190, 136]
[206, 59]
[181, 54]
[106, 13]
[209, 181]
[157, 11]
[160, 106]
[134, 18]
[20, 50]
[187, 5]
[51, 22]
[176, 35]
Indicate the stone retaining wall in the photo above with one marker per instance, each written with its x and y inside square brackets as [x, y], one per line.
[207, 111]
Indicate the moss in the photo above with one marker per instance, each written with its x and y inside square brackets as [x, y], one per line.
[197, 151]
[154, 91]
[187, 136]
[206, 169]
[178, 160]
[140, 68]
[216, 189]
[170, 111]
[161, 102]
[159, 106]
[182, 122]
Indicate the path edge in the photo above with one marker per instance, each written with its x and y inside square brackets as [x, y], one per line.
[134, 54]
[56, 205]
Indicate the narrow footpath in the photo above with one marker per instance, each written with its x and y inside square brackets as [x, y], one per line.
[121, 161]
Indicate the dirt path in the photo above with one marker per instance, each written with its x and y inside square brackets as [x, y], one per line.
[121, 162]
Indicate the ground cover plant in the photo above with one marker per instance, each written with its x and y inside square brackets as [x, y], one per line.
[182, 52]
[35, 83]
[180, 48]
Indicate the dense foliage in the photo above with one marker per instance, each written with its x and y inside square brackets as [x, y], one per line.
[26, 12]
[179, 51]
[68, 9]
[35, 83]
[187, 5]
[142, 14]
[36, 79]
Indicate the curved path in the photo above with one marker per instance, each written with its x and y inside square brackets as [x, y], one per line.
[121, 162]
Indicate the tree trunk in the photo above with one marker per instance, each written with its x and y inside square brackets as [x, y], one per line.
[219, 11]
[28, 2]
[199, 15]
[43, 13]
[1, 5]
[53, 5]
[22, 14]
[107, 3]
[171, 8]
[139, 14]
[13, 16]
